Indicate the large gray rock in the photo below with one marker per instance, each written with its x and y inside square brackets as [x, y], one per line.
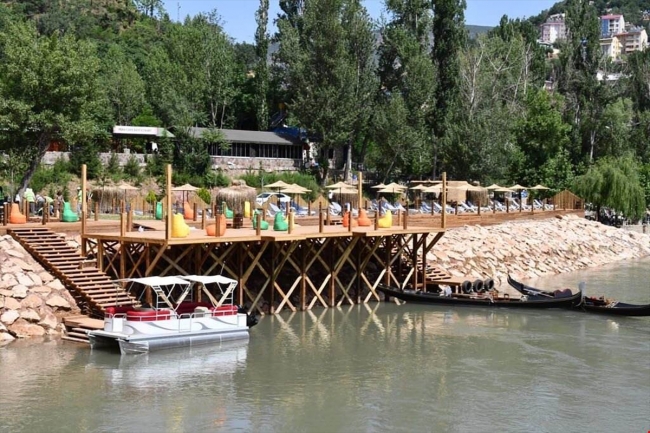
[35, 278]
[30, 315]
[19, 291]
[24, 280]
[6, 338]
[31, 301]
[46, 277]
[23, 329]
[56, 285]
[16, 254]
[49, 321]
[9, 317]
[57, 301]
[12, 304]
[41, 290]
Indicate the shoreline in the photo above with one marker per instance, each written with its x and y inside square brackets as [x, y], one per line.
[33, 303]
[529, 249]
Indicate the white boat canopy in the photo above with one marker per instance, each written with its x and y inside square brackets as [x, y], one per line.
[209, 279]
[158, 281]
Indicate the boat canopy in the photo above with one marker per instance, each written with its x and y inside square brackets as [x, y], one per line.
[158, 281]
[209, 279]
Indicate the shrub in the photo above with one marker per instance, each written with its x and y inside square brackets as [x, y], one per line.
[204, 195]
[132, 168]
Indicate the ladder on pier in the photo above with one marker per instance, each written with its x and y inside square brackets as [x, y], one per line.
[92, 289]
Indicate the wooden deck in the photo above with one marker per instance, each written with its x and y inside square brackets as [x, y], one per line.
[311, 266]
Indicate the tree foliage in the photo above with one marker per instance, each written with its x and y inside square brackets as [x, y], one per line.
[615, 183]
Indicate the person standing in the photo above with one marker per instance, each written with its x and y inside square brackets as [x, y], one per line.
[31, 199]
[79, 198]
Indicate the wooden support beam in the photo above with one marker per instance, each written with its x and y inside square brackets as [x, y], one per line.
[444, 200]
[168, 201]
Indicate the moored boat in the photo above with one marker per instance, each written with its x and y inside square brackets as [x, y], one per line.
[175, 315]
[589, 304]
[485, 299]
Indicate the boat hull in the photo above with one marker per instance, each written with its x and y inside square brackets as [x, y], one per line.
[434, 298]
[587, 304]
[146, 336]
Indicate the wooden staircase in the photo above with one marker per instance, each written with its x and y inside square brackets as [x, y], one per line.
[92, 289]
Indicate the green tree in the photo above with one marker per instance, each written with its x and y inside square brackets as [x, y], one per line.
[320, 74]
[48, 91]
[449, 37]
[261, 67]
[613, 183]
[124, 87]
[407, 77]
[540, 135]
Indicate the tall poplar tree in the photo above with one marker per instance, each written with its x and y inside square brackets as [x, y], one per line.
[407, 79]
[261, 68]
[579, 64]
[449, 38]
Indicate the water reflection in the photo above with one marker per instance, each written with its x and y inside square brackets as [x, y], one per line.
[169, 368]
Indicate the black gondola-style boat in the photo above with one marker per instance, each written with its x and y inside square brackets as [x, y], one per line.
[484, 299]
[588, 304]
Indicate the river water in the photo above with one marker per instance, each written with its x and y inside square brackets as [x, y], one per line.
[369, 368]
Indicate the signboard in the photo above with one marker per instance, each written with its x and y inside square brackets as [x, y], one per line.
[136, 130]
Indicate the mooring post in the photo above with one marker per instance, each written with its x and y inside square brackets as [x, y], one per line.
[203, 221]
[479, 207]
[122, 226]
[194, 209]
[168, 201]
[289, 222]
[84, 209]
[507, 205]
[217, 224]
[443, 195]
[129, 220]
[309, 208]
[258, 228]
[320, 218]
[405, 219]
[350, 220]
[96, 210]
[329, 221]
[399, 217]
[377, 220]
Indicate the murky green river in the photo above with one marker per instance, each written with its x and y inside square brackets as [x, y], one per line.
[374, 368]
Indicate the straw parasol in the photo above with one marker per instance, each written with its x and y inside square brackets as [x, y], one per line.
[294, 188]
[517, 187]
[393, 188]
[277, 185]
[380, 186]
[235, 195]
[418, 187]
[493, 186]
[184, 189]
[539, 187]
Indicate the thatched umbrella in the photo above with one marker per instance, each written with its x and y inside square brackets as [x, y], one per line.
[185, 189]
[236, 195]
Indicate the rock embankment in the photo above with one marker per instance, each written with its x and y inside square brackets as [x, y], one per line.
[528, 249]
[32, 301]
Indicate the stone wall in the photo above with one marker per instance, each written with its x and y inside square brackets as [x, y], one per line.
[233, 166]
[51, 157]
[32, 301]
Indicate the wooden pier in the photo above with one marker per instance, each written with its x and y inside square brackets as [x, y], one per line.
[277, 270]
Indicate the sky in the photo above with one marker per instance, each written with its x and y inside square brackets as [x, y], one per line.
[238, 16]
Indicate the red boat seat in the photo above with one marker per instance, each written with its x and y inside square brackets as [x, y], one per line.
[118, 310]
[148, 316]
[225, 310]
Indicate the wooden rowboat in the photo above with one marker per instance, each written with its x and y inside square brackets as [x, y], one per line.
[489, 299]
[589, 304]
